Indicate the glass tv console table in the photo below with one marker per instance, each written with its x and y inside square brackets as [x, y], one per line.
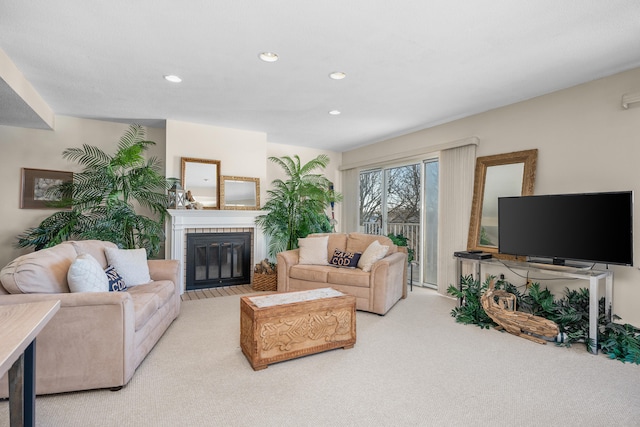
[593, 276]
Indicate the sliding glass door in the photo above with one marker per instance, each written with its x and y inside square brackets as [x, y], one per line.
[398, 200]
[390, 201]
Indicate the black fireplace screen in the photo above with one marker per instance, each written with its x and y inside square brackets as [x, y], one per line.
[218, 259]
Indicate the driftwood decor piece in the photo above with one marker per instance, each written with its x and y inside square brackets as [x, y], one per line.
[501, 307]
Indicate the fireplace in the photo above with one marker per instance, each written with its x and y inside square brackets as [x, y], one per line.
[191, 221]
[218, 259]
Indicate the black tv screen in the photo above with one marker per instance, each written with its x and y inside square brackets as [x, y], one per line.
[594, 227]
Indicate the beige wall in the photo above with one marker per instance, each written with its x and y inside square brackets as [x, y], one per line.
[587, 142]
[42, 149]
[240, 152]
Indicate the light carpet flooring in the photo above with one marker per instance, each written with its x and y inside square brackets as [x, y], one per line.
[413, 367]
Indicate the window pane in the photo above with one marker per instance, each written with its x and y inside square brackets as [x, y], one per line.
[403, 195]
[371, 201]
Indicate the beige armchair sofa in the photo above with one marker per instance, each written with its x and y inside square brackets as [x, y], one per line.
[96, 339]
[376, 291]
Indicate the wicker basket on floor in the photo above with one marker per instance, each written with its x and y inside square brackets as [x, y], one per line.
[265, 282]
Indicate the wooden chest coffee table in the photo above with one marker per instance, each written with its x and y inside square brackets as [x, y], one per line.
[283, 326]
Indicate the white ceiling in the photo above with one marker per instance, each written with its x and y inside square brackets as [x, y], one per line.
[409, 64]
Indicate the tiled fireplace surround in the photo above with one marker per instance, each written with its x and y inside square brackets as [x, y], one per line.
[184, 221]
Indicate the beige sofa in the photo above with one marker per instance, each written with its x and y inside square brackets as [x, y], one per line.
[375, 291]
[96, 339]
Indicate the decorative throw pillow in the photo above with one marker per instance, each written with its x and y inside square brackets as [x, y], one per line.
[86, 275]
[313, 250]
[116, 282]
[345, 259]
[130, 263]
[373, 253]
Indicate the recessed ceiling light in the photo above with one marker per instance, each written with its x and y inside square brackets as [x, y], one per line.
[337, 75]
[334, 112]
[172, 78]
[268, 56]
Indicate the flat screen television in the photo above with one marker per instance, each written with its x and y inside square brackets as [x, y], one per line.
[593, 227]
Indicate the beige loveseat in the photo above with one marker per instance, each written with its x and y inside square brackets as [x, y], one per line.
[96, 339]
[376, 291]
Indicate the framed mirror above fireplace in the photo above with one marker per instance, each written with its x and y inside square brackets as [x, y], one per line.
[202, 178]
[237, 192]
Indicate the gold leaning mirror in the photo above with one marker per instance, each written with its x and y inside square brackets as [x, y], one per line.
[202, 178]
[500, 175]
[238, 192]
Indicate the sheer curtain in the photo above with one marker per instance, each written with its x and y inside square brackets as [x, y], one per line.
[457, 169]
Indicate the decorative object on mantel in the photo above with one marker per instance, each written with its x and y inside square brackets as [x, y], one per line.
[192, 203]
[501, 307]
[265, 276]
[177, 197]
[296, 207]
[101, 199]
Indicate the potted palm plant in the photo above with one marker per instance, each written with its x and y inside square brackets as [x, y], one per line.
[99, 203]
[296, 207]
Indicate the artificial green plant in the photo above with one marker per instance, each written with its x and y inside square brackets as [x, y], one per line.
[101, 201]
[296, 206]
[570, 313]
[402, 240]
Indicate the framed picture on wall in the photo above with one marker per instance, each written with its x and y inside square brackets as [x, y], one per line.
[35, 184]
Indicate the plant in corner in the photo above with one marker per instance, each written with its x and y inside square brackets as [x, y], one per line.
[470, 312]
[402, 241]
[570, 313]
[296, 206]
[99, 203]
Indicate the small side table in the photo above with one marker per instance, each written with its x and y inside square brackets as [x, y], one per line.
[411, 264]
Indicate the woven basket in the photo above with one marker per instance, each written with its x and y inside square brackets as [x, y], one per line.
[265, 282]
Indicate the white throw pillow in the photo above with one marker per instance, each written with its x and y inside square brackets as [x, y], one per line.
[86, 275]
[375, 252]
[313, 250]
[130, 263]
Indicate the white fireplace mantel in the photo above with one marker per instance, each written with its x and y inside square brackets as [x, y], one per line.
[185, 219]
